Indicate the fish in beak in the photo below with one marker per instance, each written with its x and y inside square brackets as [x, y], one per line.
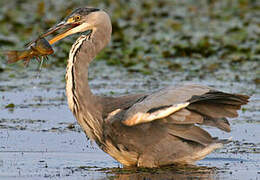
[77, 22]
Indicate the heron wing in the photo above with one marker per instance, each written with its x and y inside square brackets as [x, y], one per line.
[162, 103]
[187, 104]
[174, 112]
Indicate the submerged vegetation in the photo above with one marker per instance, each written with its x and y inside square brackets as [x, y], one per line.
[209, 35]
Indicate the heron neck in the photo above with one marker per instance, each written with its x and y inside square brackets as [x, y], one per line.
[84, 105]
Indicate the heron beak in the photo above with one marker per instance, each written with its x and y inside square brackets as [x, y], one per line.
[70, 28]
[62, 25]
[54, 29]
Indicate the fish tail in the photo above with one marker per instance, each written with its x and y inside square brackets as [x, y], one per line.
[14, 56]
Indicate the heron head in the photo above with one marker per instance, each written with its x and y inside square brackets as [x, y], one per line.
[80, 20]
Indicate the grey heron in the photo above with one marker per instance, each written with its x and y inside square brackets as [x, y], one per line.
[145, 130]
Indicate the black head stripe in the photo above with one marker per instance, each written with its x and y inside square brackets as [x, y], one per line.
[84, 11]
[93, 9]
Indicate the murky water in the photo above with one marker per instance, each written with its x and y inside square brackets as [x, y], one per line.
[39, 137]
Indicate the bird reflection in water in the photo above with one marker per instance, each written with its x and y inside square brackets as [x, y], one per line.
[165, 173]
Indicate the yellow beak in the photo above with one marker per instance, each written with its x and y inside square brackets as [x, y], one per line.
[79, 28]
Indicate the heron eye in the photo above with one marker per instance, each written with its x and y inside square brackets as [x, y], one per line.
[77, 18]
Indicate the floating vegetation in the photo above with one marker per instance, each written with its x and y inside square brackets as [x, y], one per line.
[11, 105]
[221, 32]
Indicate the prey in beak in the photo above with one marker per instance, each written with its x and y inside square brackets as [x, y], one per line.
[67, 30]
[79, 21]
[76, 22]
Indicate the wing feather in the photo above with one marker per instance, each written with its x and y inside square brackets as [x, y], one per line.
[162, 103]
[187, 104]
[192, 133]
[184, 116]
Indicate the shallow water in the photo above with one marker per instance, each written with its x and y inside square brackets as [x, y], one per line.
[39, 137]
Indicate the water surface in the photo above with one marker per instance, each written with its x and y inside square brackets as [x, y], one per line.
[39, 137]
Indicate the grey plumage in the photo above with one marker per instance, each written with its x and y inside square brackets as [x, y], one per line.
[150, 129]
